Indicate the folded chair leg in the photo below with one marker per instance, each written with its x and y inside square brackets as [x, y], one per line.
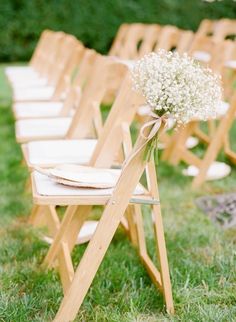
[71, 224]
[162, 255]
[100, 242]
[90, 263]
[228, 150]
[45, 216]
[160, 240]
[130, 215]
[180, 143]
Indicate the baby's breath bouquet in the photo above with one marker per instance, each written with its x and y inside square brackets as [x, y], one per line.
[175, 86]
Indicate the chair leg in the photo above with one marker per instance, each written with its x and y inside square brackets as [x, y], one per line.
[130, 215]
[162, 255]
[90, 263]
[45, 216]
[71, 224]
[162, 278]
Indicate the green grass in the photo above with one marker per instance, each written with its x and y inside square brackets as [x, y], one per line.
[202, 257]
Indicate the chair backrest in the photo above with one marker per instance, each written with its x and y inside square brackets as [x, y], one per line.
[69, 71]
[221, 29]
[173, 38]
[225, 29]
[41, 46]
[150, 39]
[115, 132]
[64, 54]
[213, 53]
[75, 78]
[135, 36]
[206, 27]
[119, 40]
[50, 55]
[104, 71]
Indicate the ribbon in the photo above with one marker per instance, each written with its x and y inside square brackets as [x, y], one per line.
[155, 124]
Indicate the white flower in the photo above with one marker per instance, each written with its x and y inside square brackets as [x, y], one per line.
[177, 85]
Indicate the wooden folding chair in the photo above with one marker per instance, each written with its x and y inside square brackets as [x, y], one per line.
[57, 127]
[116, 203]
[22, 76]
[67, 83]
[52, 72]
[37, 58]
[86, 126]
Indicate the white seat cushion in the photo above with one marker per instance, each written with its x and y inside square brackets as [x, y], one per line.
[202, 56]
[34, 94]
[20, 71]
[47, 187]
[216, 171]
[29, 83]
[222, 109]
[55, 152]
[144, 110]
[37, 109]
[16, 69]
[231, 64]
[42, 128]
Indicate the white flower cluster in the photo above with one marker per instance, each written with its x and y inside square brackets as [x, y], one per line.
[177, 85]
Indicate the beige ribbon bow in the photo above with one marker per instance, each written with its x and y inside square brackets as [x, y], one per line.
[155, 125]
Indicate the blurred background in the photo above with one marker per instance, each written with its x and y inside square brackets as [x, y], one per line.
[95, 23]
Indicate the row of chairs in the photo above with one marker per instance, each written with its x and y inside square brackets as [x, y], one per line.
[57, 106]
[212, 45]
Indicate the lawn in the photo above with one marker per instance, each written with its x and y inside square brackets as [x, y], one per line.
[202, 256]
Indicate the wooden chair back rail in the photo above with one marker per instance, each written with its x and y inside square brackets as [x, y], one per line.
[97, 84]
[81, 66]
[64, 54]
[225, 29]
[218, 29]
[43, 51]
[134, 38]
[51, 54]
[150, 39]
[119, 40]
[40, 47]
[69, 72]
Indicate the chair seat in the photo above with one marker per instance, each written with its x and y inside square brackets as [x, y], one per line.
[15, 71]
[37, 109]
[51, 153]
[231, 64]
[39, 129]
[202, 56]
[34, 94]
[29, 83]
[222, 109]
[47, 191]
[216, 171]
